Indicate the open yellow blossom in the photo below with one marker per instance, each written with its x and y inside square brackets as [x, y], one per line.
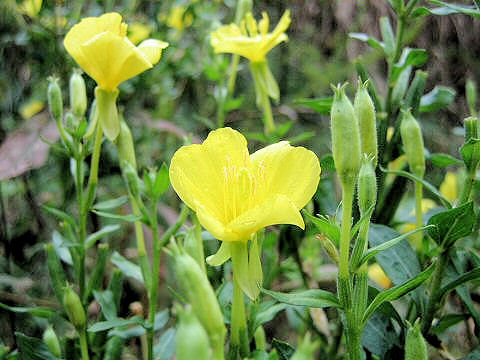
[177, 19]
[236, 194]
[101, 47]
[251, 39]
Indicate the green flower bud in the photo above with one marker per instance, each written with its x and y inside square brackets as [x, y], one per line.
[125, 145]
[71, 122]
[51, 340]
[74, 309]
[415, 345]
[243, 7]
[329, 247]
[345, 137]
[191, 338]
[365, 112]
[471, 149]
[78, 94]
[471, 125]
[55, 101]
[260, 340]
[471, 91]
[367, 186]
[413, 144]
[107, 112]
[199, 293]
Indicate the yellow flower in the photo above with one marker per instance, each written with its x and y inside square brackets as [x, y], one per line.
[138, 32]
[31, 108]
[251, 39]
[101, 48]
[31, 7]
[236, 194]
[177, 19]
[449, 186]
[376, 273]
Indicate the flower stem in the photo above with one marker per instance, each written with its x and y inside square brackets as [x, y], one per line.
[232, 76]
[347, 200]
[467, 187]
[420, 240]
[238, 321]
[83, 344]
[267, 114]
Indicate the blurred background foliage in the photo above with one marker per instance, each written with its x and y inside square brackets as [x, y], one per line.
[177, 98]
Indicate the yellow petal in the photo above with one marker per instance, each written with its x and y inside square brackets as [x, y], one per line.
[276, 209]
[138, 32]
[449, 186]
[152, 49]
[264, 24]
[376, 273]
[288, 170]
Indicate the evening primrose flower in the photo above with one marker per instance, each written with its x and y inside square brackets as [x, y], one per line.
[236, 194]
[31, 7]
[250, 39]
[177, 19]
[102, 49]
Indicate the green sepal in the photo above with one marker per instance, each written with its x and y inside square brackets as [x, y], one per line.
[264, 82]
[108, 112]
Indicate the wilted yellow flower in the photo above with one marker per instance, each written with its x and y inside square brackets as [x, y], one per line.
[31, 108]
[236, 194]
[449, 186]
[101, 47]
[376, 273]
[251, 39]
[138, 32]
[31, 7]
[177, 19]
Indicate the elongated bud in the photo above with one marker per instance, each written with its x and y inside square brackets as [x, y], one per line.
[199, 293]
[55, 101]
[471, 92]
[51, 340]
[260, 339]
[78, 94]
[345, 137]
[74, 309]
[471, 125]
[471, 149]
[329, 247]
[415, 345]
[107, 112]
[365, 112]
[243, 7]
[367, 186]
[412, 140]
[193, 245]
[125, 145]
[191, 338]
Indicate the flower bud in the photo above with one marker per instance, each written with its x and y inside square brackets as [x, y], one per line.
[260, 340]
[471, 149]
[55, 101]
[329, 247]
[471, 92]
[51, 340]
[78, 94]
[199, 293]
[415, 345]
[125, 146]
[74, 309]
[243, 7]
[471, 125]
[413, 144]
[345, 137]
[191, 338]
[365, 112]
[367, 186]
[107, 112]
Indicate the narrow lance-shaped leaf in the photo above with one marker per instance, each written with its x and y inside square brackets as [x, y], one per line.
[397, 291]
[462, 279]
[315, 298]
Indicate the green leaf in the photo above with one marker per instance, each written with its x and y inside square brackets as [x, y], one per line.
[439, 98]
[266, 312]
[284, 349]
[447, 321]
[32, 349]
[60, 214]
[165, 348]
[379, 334]
[116, 322]
[111, 204]
[42, 312]
[443, 160]
[61, 248]
[447, 9]
[374, 251]
[315, 298]
[332, 231]
[327, 163]
[100, 234]
[370, 40]
[409, 57]
[107, 303]
[320, 105]
[425, 184]
[127, 267]
[387, 35]
[161, 319]
[462, 279]
[129, 218]
[400, 87]
[452, 224]
[162, 181]
[470, 152]
[397, 291]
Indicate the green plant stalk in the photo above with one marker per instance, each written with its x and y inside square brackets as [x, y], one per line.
[155, 274]
[419, 238]
[232, 76]
[467, 186]
[353, 335]
[347, 201]
[141, 249]
[239, 321]
[361, 280]
[268, 121]
[83, 344]
[82, 231]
